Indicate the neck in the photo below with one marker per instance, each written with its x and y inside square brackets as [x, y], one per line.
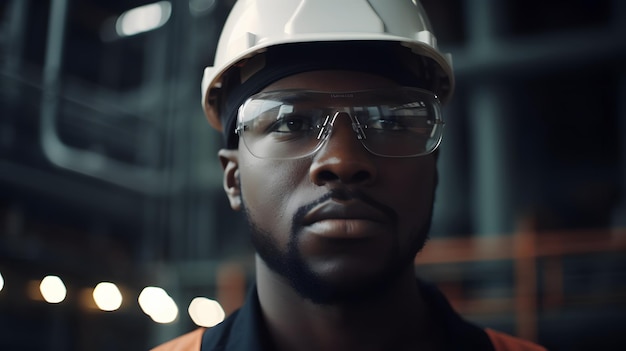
[395, 319]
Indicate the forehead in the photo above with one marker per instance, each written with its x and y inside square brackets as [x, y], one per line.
[332, 80]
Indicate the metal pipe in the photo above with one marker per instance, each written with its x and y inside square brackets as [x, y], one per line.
[141, 179]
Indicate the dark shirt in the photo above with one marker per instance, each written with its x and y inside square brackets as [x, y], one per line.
[245, 329]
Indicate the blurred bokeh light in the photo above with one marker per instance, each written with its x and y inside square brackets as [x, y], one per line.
[107, 296]
[53, 289]
[206, 312]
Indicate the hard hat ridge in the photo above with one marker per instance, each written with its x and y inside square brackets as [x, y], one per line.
[303, 20]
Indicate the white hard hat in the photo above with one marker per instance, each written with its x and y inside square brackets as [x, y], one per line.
[255, 26]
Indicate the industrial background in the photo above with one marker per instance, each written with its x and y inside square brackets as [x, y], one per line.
[108, 171]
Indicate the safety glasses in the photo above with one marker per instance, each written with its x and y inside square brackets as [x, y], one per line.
[289, 124]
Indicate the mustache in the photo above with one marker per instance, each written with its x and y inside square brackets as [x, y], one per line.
[343, 195]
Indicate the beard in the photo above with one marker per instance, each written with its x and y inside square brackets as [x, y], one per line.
[290, 264]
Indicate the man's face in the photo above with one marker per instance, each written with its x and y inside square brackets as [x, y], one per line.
[342, 221]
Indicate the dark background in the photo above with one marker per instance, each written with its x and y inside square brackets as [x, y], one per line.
[108, 169]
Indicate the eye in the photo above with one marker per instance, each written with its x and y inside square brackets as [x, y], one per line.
[292, 123]
[386, 124]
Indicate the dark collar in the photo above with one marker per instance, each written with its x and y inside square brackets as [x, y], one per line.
[458, 334]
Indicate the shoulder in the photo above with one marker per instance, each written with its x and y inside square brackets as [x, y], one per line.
[187, 342]
[505, 342]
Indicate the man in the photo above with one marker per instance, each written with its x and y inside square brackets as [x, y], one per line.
[331, 115]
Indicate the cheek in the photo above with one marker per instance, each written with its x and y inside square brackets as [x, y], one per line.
[266, 188]
[413, 193]
[412, 179]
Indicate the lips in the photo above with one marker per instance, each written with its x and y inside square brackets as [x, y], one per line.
[352, 219]
[347, 211]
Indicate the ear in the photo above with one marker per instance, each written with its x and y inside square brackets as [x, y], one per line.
[230, 163]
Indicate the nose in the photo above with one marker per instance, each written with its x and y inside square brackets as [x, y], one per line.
[343, 158]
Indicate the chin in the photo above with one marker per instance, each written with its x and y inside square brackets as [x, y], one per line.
[340, 282]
